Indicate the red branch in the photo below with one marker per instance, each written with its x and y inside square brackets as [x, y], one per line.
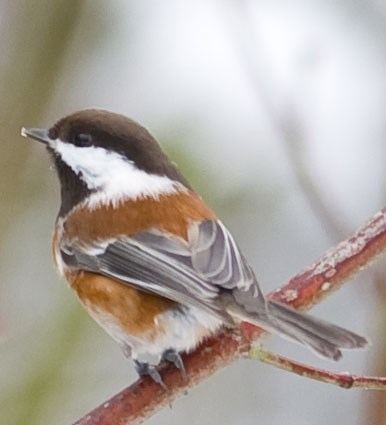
[343, 379]
[142, 399]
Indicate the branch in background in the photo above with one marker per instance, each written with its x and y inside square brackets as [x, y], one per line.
[293, 142]
[344, 380]
[142, 399]
[285, 120]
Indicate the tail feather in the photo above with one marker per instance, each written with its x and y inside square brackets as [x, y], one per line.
[322, 337]
[336, 335]
[305, 337]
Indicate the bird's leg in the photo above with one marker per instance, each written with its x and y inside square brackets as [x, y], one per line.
[172, 356]
[144, 369]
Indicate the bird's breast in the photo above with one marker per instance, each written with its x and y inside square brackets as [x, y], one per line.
[145, 322]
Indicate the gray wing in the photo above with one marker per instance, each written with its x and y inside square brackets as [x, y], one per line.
[202, 271]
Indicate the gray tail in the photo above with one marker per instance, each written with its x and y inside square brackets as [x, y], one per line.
[322, 337]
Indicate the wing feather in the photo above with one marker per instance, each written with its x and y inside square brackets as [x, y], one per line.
[193, 272]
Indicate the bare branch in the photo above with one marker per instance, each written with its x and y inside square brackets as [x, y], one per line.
[139, 401]
[344, 379]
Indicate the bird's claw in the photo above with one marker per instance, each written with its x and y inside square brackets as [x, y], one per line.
[172, 356]
[145, 369]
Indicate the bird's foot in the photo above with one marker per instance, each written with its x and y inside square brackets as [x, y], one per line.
[172, 356]
[168, 356]
[145, 369]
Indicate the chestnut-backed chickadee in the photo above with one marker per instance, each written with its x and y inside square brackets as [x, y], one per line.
[148, 259]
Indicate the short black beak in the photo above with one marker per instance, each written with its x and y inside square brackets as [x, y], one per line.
[39, 134]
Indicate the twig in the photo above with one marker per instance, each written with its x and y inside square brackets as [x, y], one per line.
[344, 380]
[285, 120]
[139, 401]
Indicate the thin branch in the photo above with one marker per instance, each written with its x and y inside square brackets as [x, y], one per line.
[285, 120]
[142, 399]
[343, 379]
[294, 143]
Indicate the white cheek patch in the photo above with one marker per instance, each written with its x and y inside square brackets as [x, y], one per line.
[112, 176]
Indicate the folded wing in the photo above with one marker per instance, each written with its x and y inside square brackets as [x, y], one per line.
[202, 271]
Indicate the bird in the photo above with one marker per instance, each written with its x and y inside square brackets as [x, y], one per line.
[146, 256]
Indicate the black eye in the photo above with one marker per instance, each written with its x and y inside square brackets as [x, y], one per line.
[83, 140]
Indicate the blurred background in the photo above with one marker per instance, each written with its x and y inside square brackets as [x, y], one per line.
[274, 110]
